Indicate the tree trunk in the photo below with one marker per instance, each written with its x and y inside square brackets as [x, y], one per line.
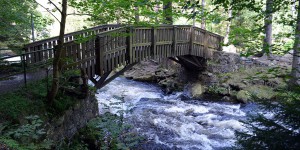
[156, 9]
[226, 38]
[136, 14]
[167, 12]
[32, 28]
[293, 8]
[58, 52]
[203, 24]
[194, 16]
[267, 44]
[118, 16]
[295, 80]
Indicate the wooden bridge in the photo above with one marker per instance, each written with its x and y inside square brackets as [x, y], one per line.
[101, 49]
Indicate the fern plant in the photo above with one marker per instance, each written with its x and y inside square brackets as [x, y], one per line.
[29, 136]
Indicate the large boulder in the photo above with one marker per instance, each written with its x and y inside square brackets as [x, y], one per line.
[144, 71]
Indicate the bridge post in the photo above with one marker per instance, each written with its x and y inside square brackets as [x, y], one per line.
[99, 52]
[174, 46]
[205, 45]
[153, 42]
[192, 36]
[221, 43]
[130, 56]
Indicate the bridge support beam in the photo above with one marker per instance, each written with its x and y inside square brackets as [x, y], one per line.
[105, 78]
[191, 62]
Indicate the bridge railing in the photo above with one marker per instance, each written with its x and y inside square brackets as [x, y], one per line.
[42, 50]
[204, 42]
[133, 44]
[113, 47]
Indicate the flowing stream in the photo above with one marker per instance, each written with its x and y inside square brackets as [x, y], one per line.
[169, 122]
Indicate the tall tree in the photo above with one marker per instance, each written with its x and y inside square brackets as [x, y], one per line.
[58, 53]
[137, 15]
[295, 80]
[203, 24]
[194, 11]
[226, 38]
[167, 12]
[15, 23]
[267, 44]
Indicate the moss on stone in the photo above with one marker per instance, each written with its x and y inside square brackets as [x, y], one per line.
[243, 96]
[197, 90]
[261, 92]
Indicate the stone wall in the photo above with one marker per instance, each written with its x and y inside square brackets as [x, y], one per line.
[73, 119]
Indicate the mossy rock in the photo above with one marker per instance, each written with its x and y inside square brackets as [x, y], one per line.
[261, 92]
[217, 90]
[243, 96]
[197, 90]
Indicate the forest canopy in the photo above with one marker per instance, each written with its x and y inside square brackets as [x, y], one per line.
[16, 19]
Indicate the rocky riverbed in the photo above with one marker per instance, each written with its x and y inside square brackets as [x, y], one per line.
[227, 77]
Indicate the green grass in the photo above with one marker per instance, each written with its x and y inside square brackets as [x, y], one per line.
[23, 102]
[32, 100]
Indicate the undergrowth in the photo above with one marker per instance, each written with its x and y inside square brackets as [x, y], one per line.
[20, 127]
[106, 132]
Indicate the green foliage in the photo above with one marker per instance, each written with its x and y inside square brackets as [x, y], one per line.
[15, 105]
[278, 130]
[15, 22]
[33, 100]
[247, 27]
[109, 132]
[29, 136]
[12, 106]
[60, 105]
[106, 132]
[214, 89]
[123, 11]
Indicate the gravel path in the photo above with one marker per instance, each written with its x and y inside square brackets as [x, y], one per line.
[17, 81]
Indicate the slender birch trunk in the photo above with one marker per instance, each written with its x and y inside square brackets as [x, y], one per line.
[267, 43]
[203, 24]
[295, 80]
[167, 12]
[58, 54]
[226, 38]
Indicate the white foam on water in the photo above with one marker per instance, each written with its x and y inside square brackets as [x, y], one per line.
[170, 121]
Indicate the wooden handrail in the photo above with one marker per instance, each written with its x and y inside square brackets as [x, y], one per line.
[129, 44]
[71, 34]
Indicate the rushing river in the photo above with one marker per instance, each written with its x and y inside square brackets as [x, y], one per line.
[169, 122]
